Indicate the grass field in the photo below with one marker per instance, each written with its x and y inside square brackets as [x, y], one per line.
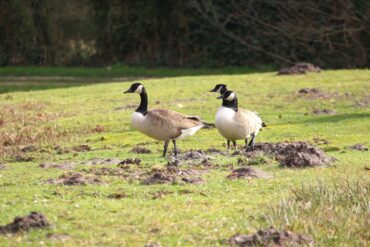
[331, 204]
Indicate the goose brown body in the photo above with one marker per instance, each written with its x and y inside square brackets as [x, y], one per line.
[164, 125]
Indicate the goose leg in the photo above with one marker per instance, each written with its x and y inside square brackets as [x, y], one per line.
[174, 147]
[246, 143]
[165, 148]
[228, 144]
[234, 143]
[251, 143]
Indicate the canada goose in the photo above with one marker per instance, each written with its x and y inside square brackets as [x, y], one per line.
[162, 124]
[235, 123]
[220, 88]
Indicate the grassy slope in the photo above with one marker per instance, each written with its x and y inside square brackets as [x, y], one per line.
[228, 207]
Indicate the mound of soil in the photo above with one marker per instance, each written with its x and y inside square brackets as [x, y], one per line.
[293, 154]
[140, 150]
[314, 93]
[324, 112]
[172, 174]
[271, 237]
[159, 178]
[27, 149]
[358, 147]
[75, 179]
[301, 154]
[129, 161]
[248, 172]
[299, 68]
[22, 224]
[63, 166]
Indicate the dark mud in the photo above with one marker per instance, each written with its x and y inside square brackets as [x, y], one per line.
[299, 68]
[23, 224]
[248, 173]
[134, 161]
[358, 147]
[140, 150]
[75, 179]
[271, 237]
[324, 112]
[294, 154]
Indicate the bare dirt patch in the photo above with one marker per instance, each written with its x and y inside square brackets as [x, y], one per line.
[67, 165]
[299, 68]
[315, 93]
[58, 236]
[271, 237]
[364, 102]
[173, 175]
[358, 147]
[118, 195]
[75, 179]
[324, 112]
[81, 148]
[140, 150]
[292, 154]
[248, 173]
[23, 224]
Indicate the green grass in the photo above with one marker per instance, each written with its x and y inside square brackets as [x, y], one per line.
[214, 211]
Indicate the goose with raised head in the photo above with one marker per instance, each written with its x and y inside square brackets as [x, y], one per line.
[235, 123]
[162, 124]
[219, 88]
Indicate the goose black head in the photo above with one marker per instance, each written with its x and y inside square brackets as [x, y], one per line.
[136, 87]
[220, 88]
[229, 100]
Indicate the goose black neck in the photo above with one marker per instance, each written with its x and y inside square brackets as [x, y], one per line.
[231, 104]
[143, 107]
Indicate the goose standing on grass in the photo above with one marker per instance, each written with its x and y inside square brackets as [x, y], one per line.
[235, 123]
[162, 124]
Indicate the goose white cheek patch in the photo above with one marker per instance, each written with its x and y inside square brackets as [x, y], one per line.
[139, 89]
[230, 97]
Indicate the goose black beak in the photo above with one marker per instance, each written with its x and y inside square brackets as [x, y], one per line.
[213, 90]
[127, 91]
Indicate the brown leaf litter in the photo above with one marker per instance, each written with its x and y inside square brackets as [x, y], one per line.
[23, 224]
[271, 237]
[299, 68]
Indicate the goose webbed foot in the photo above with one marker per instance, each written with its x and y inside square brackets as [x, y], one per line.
[174, 147]
[165, 148]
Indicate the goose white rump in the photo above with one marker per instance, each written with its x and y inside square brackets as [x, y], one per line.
[236, 125]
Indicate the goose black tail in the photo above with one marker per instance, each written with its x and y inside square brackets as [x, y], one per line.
[208, 125]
